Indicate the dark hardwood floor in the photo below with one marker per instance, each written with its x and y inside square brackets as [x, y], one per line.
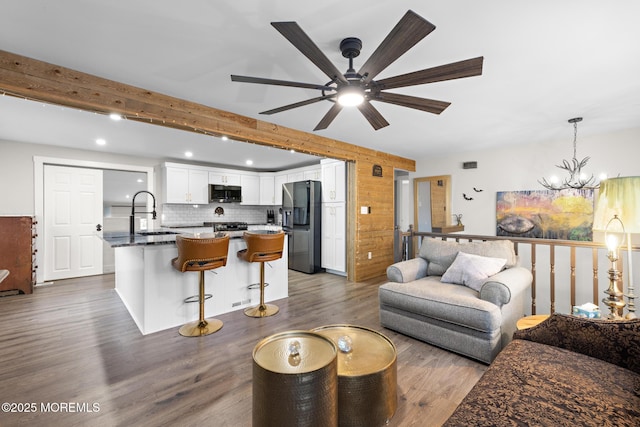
[74, 342]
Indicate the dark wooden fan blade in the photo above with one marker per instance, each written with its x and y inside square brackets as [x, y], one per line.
[297, 104]
[455, 70]
[260, 80]
[292, 32]
[424, 104]
[372, 115]
[408, 31]
[328, 118]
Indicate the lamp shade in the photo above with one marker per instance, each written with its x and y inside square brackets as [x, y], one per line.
[621, 197]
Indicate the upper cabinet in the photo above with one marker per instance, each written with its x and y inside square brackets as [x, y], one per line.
[186, 185]
[190, 183]
[313, 174]
[334, 181]
[267, 190]
[250, 189]
[278, 181]
[295, 176]
[224, 178]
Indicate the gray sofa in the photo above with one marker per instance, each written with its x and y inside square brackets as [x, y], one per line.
[476, 314]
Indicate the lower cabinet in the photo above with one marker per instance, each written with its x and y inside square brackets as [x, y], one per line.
[333, 237]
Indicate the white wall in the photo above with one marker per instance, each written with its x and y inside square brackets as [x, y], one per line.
[17, 174]
[519, 167]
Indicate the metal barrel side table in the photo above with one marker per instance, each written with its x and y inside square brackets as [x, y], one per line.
[367, 375]
[295, 380]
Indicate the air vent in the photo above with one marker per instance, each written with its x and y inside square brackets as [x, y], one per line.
[470, 165]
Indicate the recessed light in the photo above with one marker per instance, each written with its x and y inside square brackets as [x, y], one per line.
[188, 154]
[249, 162]
[140, 180]
[225, 138]
[115, 116]
[101, 141]
[292, 151]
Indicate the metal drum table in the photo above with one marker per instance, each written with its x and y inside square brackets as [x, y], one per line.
[367, 375]
[295, 380]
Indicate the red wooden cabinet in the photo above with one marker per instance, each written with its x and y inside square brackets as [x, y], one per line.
[17, 253]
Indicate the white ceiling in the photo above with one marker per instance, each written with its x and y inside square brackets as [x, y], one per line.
[545, 62]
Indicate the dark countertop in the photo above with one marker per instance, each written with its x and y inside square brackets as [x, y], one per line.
[121, 238]
[197, 225]
[118, 239]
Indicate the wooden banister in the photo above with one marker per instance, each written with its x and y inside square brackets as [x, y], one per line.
[564, 257]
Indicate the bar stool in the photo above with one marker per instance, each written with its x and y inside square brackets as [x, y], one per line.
[200, 254]
[262, 247]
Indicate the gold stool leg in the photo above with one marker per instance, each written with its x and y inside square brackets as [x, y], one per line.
[201, 326]
[262, 310]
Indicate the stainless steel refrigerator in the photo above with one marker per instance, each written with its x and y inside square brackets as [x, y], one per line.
[301, 212]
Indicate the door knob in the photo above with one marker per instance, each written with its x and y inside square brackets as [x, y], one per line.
[99, 227]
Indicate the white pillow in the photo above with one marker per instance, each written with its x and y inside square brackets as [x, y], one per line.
[472, 270]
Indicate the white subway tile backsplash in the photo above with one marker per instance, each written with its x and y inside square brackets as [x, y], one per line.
[174, 214]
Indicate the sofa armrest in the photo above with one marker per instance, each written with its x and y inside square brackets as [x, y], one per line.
[614, 341]
[502, 287]
[407, 271]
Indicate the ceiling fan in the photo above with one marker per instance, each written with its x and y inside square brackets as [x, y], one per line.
[358, 88]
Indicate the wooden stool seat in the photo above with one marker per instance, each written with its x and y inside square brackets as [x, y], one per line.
[262, 247]
[200, 254]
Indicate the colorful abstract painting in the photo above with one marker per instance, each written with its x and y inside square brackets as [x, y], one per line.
[546, 214]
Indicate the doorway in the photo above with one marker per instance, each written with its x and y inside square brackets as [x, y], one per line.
[119, 188]
[432, 201]
[39, 199]
[401, 213]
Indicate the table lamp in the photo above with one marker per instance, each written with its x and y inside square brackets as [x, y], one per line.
[617, 213]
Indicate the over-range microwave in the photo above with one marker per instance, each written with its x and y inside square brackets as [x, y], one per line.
[225, 193]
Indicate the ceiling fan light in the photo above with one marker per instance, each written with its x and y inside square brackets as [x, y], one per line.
[350, 96]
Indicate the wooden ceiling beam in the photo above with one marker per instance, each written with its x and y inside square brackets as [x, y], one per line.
[45, 82]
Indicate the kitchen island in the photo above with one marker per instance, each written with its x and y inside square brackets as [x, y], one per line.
[153, 291]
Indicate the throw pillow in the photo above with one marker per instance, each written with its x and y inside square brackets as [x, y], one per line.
[472, 270]
[441, 253]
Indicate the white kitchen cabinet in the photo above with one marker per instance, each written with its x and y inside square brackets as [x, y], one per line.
[224, 178]
[334, 181]
[278, 181]
[184, 185]
[250, 189]
[267, 190]
[334, 223]
[313, 174]
[295, 176]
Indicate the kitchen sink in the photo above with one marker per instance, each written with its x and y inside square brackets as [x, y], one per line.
[155, 233]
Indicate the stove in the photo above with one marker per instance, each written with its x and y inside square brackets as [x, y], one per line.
[227, 226]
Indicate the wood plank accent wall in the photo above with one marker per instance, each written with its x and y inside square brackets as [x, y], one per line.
[44, 82]
[375, 230]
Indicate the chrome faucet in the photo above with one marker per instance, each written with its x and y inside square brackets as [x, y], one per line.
[133, 210]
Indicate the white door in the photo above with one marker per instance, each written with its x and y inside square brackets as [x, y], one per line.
[72, 210]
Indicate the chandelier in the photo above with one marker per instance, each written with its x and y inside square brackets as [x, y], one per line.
[577, 178]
